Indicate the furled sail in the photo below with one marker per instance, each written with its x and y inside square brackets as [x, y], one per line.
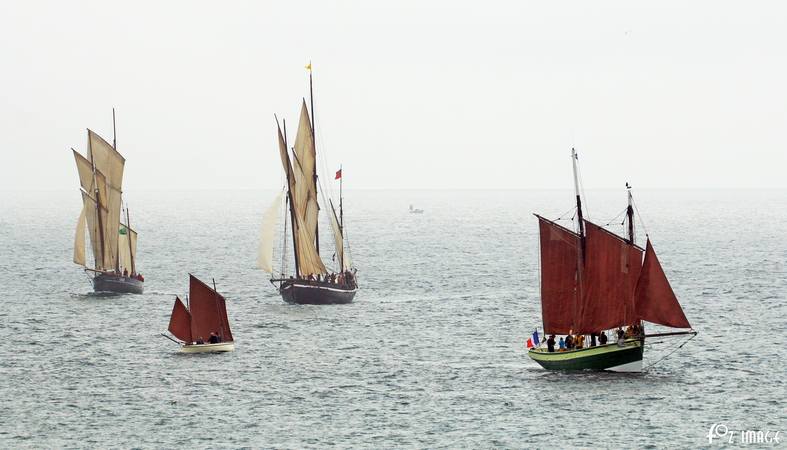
[127, 248]
[655, 301]
[559, 259]
[609, 276]
[180, 322]
[338, 239]
[269, 222]
[79, 239]
[208, 311]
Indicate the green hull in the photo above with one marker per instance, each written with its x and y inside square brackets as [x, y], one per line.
[603, 357]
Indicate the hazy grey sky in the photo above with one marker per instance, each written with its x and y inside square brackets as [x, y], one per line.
[409, 94]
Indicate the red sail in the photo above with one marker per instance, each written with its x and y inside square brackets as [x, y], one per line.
[208, 312]
[180, 322]
[559, 253]
[655, 300]
[611, 269]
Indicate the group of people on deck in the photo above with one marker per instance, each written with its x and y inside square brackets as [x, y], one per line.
[138, 276]
[214, 339]
[577, 342]
[344, 279]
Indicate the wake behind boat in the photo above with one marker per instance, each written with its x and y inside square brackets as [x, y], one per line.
[113, 243]
[593, 280]
[202, 324]
[312, 282]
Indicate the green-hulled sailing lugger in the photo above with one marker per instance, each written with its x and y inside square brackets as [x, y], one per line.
[592, 281]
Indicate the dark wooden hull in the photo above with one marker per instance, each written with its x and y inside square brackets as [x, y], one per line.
[117, 283]
[305, 292]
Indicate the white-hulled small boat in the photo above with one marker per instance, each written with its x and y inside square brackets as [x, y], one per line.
[202, 326]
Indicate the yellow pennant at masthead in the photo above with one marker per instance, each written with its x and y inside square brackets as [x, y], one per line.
[309, 67]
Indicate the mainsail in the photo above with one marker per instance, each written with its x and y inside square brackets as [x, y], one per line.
[559, 256]
[208, 311]
[303, 200]
[610, 273]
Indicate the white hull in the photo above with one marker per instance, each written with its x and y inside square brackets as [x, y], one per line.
[208, 348]
[635, 366]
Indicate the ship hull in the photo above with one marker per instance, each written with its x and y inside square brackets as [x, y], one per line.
[117, 283]
[612, 357]
[315, 293]
[208, 348]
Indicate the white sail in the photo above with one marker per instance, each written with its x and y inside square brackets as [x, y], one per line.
[79, 239]
[269, 222]
[304, 164]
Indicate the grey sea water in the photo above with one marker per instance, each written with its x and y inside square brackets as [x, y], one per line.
[431, 353]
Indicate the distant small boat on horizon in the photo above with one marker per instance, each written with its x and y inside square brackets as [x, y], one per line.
[201, 325]
[113, 242]
[415, 210]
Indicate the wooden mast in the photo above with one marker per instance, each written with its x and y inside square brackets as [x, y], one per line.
[581, 228]
[630, 214]
[98, 206]
[115, 146]
[292, 205]
[130, 248]
[314, 146]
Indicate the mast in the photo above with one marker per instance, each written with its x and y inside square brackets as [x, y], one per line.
[630, 214]
[581, 229]
[114, 131]
[130, 248]
[341, 210]
[98, 209]
[314, 145]
[292, 207]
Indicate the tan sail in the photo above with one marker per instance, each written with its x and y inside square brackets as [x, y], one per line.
[338, 239]
[269, 221]
[127, 248]
[304, 199]
[305, 161]
[79, 239]
[111, 164]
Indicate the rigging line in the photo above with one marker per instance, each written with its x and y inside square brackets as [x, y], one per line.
[670, 353]
[644, 228]
[572, 210]
[585, 203]
[616, 217]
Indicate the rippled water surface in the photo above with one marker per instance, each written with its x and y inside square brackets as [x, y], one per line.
[429, 355]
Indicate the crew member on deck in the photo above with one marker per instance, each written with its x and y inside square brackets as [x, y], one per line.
[569, 342]
[562, 344]
[214, 338]
[551, 343]
[592, 339]
[602, 338]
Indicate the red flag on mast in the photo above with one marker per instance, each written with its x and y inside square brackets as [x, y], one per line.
[338, 174]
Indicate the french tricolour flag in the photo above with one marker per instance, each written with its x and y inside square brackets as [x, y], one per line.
[533, 342]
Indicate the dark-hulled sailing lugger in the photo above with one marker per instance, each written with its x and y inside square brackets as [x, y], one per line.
[593, 280]
[113, 242]
[312, 282]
